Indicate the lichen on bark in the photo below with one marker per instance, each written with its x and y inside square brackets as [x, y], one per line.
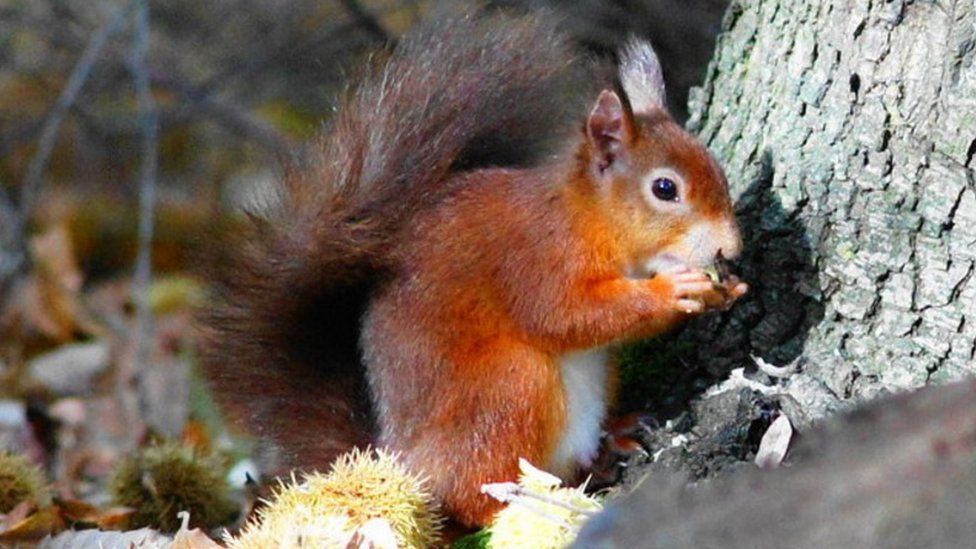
[848, 131]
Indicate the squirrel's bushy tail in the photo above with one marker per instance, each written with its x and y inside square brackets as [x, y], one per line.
[281, 333]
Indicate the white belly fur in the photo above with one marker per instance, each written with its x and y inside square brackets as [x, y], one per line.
[584, 376]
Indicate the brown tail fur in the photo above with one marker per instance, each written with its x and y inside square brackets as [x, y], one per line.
[281, 331]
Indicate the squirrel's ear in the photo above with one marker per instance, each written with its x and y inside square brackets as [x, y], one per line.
[609, 128]
[641, 77]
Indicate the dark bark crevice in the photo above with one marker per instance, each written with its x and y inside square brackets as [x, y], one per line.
[858, 121]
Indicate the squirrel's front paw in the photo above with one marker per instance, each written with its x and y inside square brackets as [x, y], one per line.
[729, 290]
[693, 291]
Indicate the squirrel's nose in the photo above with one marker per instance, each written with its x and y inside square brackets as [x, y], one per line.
[729, 239]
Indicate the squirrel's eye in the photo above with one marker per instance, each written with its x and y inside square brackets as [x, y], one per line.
[665, 189]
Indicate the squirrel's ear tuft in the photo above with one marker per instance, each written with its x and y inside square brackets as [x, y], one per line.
[641, 77]
[609, 128]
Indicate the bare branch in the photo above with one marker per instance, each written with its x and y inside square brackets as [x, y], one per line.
[12, 248]
[52, 125]
[149, 124]
[7, 206]
[230, 116]
[14, 227]
[9, 218]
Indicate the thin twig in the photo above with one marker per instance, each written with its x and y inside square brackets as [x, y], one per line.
[366, 19]
[52, 124]
[8, 217]
[149, 124]
[7, 207]
[15, 217]
[231, 116]
[12, 247]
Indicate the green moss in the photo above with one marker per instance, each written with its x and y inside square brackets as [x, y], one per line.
[167, 478]
[20, 480]
[478, 540]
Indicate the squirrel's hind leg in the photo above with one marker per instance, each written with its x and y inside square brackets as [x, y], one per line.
[510, 406]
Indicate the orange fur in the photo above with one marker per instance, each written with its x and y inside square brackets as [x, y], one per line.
[474, 285]
[508, 273]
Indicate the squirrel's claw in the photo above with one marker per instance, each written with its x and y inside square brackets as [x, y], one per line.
[690, 306]
[739, 290]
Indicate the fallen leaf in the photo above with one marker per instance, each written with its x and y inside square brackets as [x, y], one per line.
[775, 443]
[143, 538]
[75, 511]
[115, 518]
[55, 288]
[193, 539]
[195, 434]
[36, 527]
[20, 512]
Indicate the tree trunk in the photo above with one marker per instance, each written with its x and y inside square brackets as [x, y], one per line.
[848, 131]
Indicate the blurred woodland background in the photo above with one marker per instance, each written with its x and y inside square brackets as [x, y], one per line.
[234, 86]
[132, 130]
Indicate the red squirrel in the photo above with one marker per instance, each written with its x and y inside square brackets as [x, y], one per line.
[423, 287]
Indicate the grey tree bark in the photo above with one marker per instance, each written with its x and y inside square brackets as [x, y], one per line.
[848, 131]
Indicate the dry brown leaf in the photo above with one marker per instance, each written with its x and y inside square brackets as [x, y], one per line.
[195, 434]
[115, 518]
[191, 539]
[20, 512]
[52, 298]
[43, 523]
[76, 511]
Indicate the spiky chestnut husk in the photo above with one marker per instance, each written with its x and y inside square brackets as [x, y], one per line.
[20, 480]
[543, 525]
[167, 478]
[323, 510]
